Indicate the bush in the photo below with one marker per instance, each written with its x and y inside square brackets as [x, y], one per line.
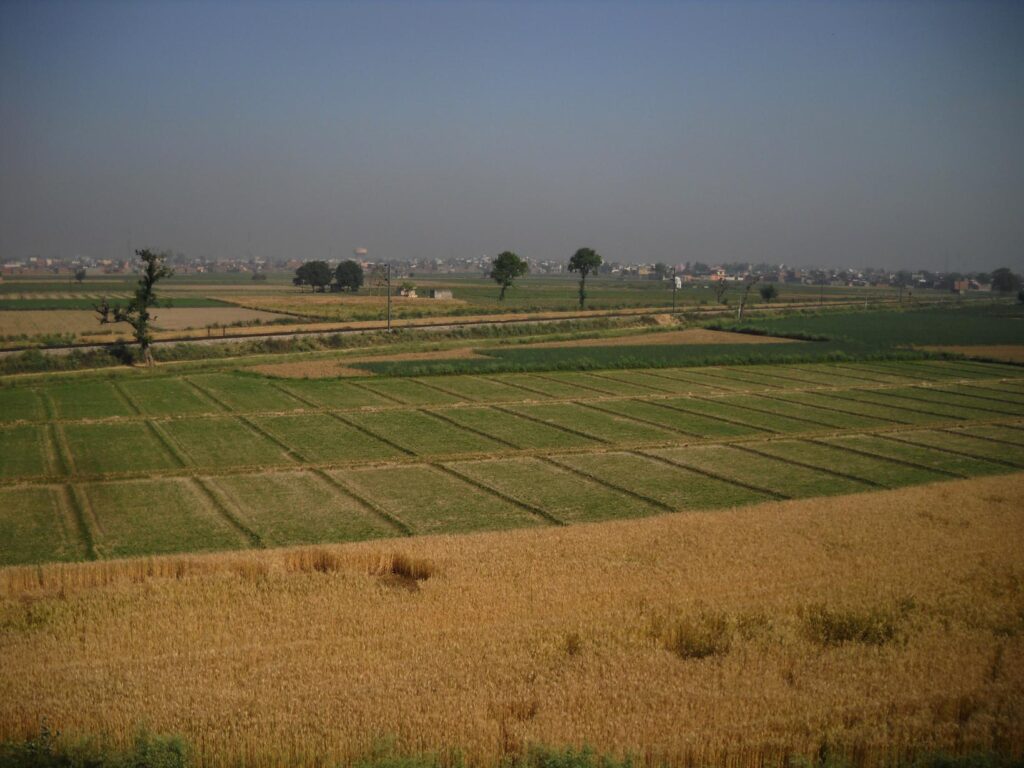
[700, 636]
[48, 750]
[836, 627]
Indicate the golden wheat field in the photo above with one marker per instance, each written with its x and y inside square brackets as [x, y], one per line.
[883, 624]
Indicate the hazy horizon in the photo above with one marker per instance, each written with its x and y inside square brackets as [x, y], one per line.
[836, 134]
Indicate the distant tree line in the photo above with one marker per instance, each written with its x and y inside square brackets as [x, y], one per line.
[347, 276]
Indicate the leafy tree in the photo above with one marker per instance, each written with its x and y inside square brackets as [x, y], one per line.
[1004, 281]
[314, 273]
[259, 277]
[660, 270]
[505, 269]
[349, 275]
[769, 292]
[80, 274]
[584, 261]
[136, 312]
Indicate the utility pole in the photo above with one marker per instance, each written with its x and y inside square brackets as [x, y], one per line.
[675, 287]
[389, 298]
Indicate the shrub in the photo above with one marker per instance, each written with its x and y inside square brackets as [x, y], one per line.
[828, 627]
[697, 637]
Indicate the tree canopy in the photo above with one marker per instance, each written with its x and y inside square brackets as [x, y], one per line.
[349, 275]
[584, 261]
[136, 312]
[505, 269]
[769, 292]
[317, 274]
[1004, 281]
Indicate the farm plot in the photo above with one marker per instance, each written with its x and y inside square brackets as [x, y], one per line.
[245, 393]
[35, 527]
[874, 471]
[125, 446]
[332, 393]
[722, 409]
[972, 406]
[955, 441]
[773, 475]
[422, 434]
[596, 424]
[1008, 434]
[917, 456]
[541, 384]
[667, 485]
[20, 404]
[148, 517]
[88, 400]
[323, 438]
[167, 396]
[222, 442]
[909, 400]
[409, 392]
[656, 381]
[820, 409]
[516, 430]
[566, 496]
[705, 380]
[429, 500]
[990, 391]
[475, 388]
[616, 383]
[688, 422]
[24, 451]
[849, 402]
[288, 508]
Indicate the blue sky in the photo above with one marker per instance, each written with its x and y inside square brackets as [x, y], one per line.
[852, 133]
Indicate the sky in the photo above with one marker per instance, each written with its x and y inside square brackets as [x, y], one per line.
[824, 133]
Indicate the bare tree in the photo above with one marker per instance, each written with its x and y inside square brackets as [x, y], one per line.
[136, 312]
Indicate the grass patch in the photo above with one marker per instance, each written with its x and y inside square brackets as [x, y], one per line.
[477, 388]
[422, 434]
[604, 426]
[245, 393]
[760, 471]
[127, 446]
[17, 403]
[23, 451]
[288, 508]
[827, 457]
[331, 393]
[430, 501]
[521, 432]
[167, 396]
[834, 627]
[222, 442]
[566, 496]
[410, 392]
[921, 455]
[34, 527]
[964, 443]
[675, 487]
[152, 517]
[690, 422]
[820, 409]
[321, 438]
[88, 400]
[725, 409]
[699, 636]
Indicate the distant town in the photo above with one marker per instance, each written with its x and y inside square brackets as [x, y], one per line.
[957, 282]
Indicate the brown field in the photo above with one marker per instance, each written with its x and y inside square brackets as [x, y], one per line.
[42, 322]
[347, 366]
[1007, 353]
[882, 624]
[182, 318]
[688, 336]
[337, 306]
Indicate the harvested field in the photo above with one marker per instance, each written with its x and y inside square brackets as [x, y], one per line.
[687, 336]
[880, 624]
[337, 306]
[1007, 353]
[348, 366]
[178, 319]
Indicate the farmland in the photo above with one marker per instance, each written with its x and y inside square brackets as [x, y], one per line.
[395, 453]
[657, 549]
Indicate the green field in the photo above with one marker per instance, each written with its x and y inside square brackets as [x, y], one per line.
[136, 463]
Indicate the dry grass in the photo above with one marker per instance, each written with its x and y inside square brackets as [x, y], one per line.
[43, 322]
[1007, 353]
[878, 623]
[348, 366]
[184, 318]
[688, 336]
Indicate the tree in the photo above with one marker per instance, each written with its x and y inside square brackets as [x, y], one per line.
[660, 270]
[1004, 281]
[505, 269]
[751, 282]
[314, 273]
[349, 275]
[584, 261]
[720, 288]
[769, 292]
[80, 274]
[259, 277]
[136, 312]
[903, 280]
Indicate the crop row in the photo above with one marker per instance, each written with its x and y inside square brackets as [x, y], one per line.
[83, 519]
